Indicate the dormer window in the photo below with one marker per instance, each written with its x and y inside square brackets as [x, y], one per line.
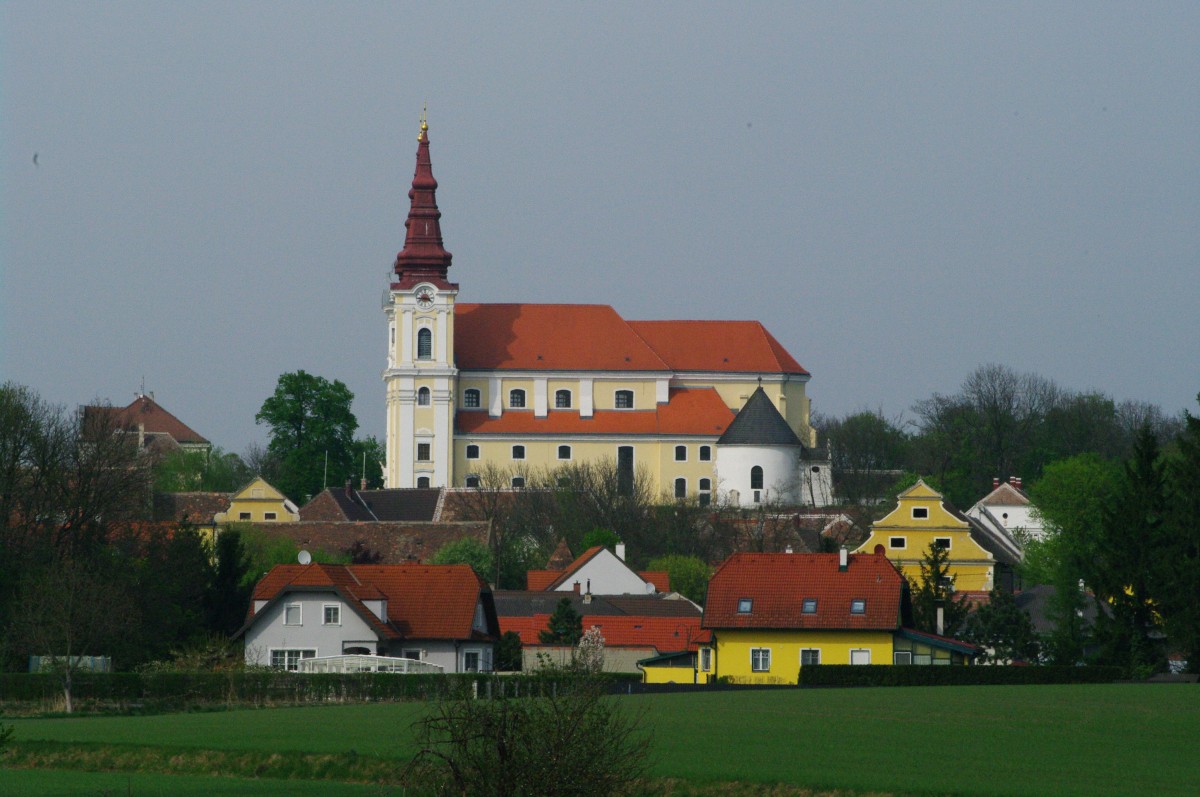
[858, 606]
[745, 605]
[809, 606]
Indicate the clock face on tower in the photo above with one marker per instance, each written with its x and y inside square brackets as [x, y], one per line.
[424, 298]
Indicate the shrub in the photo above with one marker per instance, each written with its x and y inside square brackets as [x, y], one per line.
[922, 675]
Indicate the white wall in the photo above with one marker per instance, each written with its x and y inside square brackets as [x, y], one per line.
[269, 633]
[608, 576]
[780, 473]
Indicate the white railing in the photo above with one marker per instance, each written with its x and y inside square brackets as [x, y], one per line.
[361, 663]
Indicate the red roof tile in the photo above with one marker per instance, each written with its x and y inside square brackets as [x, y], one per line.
[723, 346]
[777, 585]
[147, 413]
[548, 337]
[665, 634]
[693, 411]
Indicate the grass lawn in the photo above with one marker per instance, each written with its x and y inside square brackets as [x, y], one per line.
[987, 741]
[60, 783]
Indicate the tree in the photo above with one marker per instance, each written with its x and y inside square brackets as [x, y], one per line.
[311, 433]
[1176, 568]
[465, 551]
[589, 653]
[1004, 629]
[934, 590]
[215, 471]
[508, 652]
[565, 626]
[572, 740]
[689, 574]
[369, 454]
[866, 449]
[602, 537]
[228, 595]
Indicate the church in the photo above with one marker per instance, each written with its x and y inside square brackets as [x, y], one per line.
[708, 410]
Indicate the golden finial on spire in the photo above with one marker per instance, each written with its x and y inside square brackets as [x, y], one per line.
[424, 125]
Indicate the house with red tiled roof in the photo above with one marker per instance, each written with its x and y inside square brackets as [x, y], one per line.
[156, 428]
[598, 571]
[439, 614]
[772, 613]
[531, 387]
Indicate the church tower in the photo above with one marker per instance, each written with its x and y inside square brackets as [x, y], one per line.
[420, 374]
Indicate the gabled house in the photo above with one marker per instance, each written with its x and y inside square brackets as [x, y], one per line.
[597, 571]
[259, 502]
[1007, 507]
[771, 614]
[156, 429]
[408, 505]
[439, 614]
[981, 557]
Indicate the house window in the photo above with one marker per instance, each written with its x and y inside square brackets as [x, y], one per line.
[756, 478]
[624, 470]
[705, 453]
[290, 659]
[810, 656]
[518, 481]
[705, 659]
[423, 482]
[760, 659]
[423, 452]
[705, 490]
[413, 654]
[624, 399]
[472, 451]
[562, 399]
[471, 660]
[331, 614]
[243, 515]
[425, 344]
[902, 657]
[291, 614]
[681, 453]
[564, 452]
[518, 452]
[472, 481]
[471, 397]
[809, 606]
[920, 513]
[942, 542]
[897, 542]
[423, 397]
[745, 605]
[268, 515]
[681, 488]
[860, 657]
[516, 398]
[858, 606]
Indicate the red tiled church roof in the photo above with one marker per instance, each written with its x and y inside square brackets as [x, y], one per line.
[691, 411]
[778, 583]
[723, 346]
[147, 413]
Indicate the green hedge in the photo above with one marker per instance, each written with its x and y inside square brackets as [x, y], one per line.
[925, 675]
[171, 690]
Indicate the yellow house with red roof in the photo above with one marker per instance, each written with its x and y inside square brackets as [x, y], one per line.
[770, 614]
[525, 387]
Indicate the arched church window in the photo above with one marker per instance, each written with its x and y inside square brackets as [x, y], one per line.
[756, 478]
[681, 488]
[471, 397]
[423, 397]
[423, 482]
[705, 453]
[424, 343]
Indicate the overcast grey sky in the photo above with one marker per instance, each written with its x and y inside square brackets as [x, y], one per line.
[899, 192]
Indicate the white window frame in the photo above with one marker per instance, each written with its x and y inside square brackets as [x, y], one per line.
[424, 397]
[681, 453]
[469, 478]
[861, 603]
[524, 451]
[559, 452]
[938, 542]
[467, 451]
[760, 659]
[299, 607]
[524, 402]
[706, 453]
[745, 605]
[816, 653]
[472, 392]
[923, 509]
[617, 394]
[423, 482]
[243, 516]
[903, 543]
[570, 399]
[804, 604]
[290, 662]
[518, 482]
[463, 660]
[705, 662]
[269, 516]
[860, 650]
[676, 491]
[337, 612]
[424, 333]
[428, 452]
[902, 654]
[415, 654]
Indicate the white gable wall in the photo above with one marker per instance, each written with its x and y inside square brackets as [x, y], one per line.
[608, 576]
[270, 633]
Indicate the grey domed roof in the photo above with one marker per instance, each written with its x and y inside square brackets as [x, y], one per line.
[759, 424]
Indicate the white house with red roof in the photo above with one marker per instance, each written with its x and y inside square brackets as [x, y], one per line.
[533, 386]
[439, 614]
[1007, 507]
[599, 571]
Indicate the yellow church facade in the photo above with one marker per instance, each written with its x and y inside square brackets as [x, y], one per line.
[526, 388]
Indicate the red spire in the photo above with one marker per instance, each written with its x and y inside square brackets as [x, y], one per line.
[423, 256]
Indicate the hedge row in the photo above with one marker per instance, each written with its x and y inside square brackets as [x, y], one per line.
[162, 690]
[924, 675]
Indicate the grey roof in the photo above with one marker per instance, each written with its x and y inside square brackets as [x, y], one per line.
[400, 505]
[758, 423]
[521, 603]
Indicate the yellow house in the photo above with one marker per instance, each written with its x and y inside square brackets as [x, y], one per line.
[772, 614]
[980, 558]
[259, 502]
[530, 387]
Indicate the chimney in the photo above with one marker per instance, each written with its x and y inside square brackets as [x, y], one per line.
[843, 559]
[941, 620]
[587, 596]
[575, 586]
[995, 482]
[787, 549]
[621, 551]
[1019, 483]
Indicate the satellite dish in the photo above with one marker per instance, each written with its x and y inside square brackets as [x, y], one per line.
[650, 589]
[304, 557]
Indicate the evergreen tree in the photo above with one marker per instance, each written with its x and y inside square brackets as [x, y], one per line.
[508, 652]
[228, 594]
[1004, 628]
[936, 588]
[1176, 567]
[565, 626]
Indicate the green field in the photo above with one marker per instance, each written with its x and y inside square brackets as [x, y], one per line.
[1036, 740]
